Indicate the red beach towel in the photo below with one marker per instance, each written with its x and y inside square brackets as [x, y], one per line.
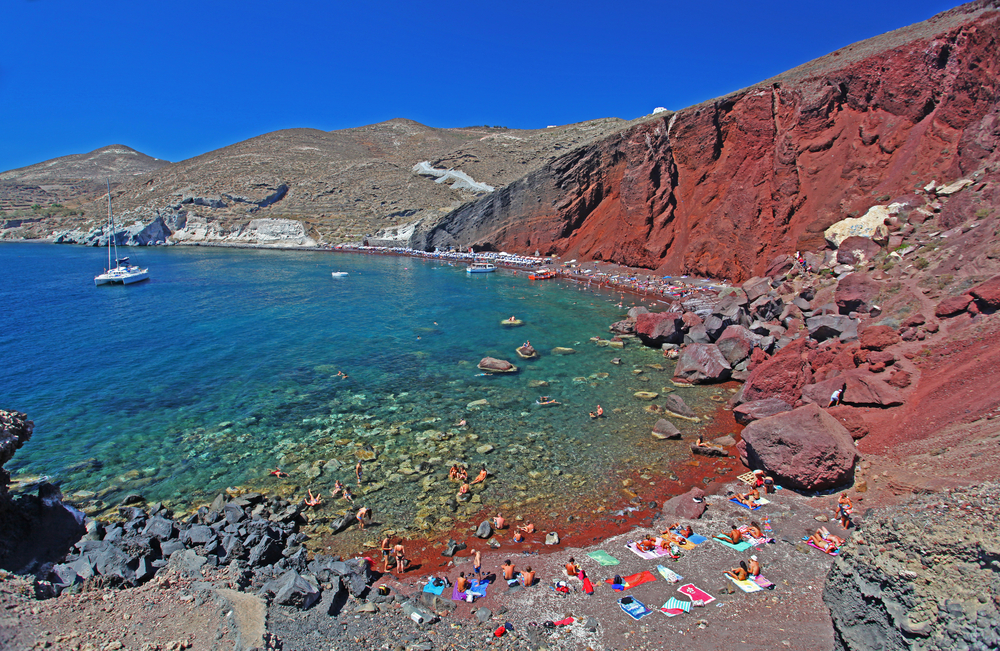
[636, 579]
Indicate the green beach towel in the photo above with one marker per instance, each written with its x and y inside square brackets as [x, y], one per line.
[742, 547]
[603, 557]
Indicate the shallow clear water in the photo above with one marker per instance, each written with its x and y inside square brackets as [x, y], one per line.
[225, 365]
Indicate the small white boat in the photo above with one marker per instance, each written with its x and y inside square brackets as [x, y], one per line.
[481, 268]
[123, 272]
[338, 274]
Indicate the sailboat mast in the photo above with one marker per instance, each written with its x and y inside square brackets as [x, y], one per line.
[111, 224]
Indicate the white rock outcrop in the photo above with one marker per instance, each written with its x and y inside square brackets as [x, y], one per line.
[871, 225]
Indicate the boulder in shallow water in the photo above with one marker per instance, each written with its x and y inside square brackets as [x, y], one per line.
[675, 406]
[664, 429]
[494, 365]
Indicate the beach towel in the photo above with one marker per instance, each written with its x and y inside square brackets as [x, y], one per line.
[675, 606]
[697, 595]
[756, 542]
[603, 557]
[458, 596]
[564, 622]
[835, 552]
[632, 547]
[631, 581]
[739, 503]
[696, 539]
[633, 607]
[746, 585]
[764, 583]
[478, 588]
[685, 545]
[741, 547]
[435, 589]
[668, 574]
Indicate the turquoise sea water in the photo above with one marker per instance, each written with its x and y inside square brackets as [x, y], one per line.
[225, 365]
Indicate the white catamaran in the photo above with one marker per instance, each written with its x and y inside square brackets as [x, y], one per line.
[122, 272]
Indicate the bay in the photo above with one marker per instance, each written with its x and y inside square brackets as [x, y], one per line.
[228, 362]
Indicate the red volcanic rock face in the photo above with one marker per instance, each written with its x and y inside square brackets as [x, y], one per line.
[855, 250]
[723, 188]
[855, 293]
[782, 376]
[701, 364]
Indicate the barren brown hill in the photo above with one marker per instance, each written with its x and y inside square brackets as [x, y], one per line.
[342, 184]
[70, 179]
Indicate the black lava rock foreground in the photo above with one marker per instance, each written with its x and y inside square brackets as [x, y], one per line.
[924, 576]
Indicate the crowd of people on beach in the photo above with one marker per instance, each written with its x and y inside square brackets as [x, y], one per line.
[649, 284]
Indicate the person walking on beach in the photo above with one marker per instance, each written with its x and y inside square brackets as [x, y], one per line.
[357, 472]
[844, 509]
[477, 563]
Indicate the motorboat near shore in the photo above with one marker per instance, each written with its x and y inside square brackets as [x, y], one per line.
[338, 274]
[481, 268]
[542, 274]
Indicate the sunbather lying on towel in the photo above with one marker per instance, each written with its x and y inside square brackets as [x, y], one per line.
[648, 544]
[826, 540]
[739, 573]
[733, 536]
[755, 531]
[678, 529]
[749, 498]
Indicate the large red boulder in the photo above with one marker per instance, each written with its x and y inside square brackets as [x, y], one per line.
[988, 294]
[701, 364]
[805, 448]
[781, 376]
[735, 344]
[855, 293]
[878, 337]
[660, 328]
[821, 392]
[952, 306]
[688, 506]
[867, 390]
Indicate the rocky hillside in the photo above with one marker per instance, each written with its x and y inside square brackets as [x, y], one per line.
[925, 576]
[718, 189]
[70, 180]
[337, 185]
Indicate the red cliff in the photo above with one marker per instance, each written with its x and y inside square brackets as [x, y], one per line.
[720, 188]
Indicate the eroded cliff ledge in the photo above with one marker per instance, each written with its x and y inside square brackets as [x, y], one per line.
[720, 188]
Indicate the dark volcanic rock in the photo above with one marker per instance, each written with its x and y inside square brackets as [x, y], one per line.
[701, 364]
[805, 448]
[881, 595]
[658, 329]
[757, 409]
[15, 430]
[855, 293]
[735, 344]
[857, 250]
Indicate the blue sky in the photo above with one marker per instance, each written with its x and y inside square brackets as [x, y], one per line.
[176, 79]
